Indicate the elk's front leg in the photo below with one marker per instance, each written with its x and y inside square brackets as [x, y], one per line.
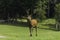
[30, 28]
[36, 30]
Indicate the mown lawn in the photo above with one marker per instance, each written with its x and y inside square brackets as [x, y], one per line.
[21, 32]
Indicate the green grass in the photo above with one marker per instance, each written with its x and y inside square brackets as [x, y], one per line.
[20, 32]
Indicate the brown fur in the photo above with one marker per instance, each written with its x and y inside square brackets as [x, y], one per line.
[32, 24]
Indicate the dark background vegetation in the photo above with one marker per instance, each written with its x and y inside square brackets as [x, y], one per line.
[11, 10]
[18, 8]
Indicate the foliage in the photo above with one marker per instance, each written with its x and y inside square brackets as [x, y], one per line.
[12, 9]
[57, 12]
[40, 9]
[57, 16]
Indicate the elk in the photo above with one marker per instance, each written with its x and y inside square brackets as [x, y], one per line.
[32, 24]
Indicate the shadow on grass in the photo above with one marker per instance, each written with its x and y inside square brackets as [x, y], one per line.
[25, 24]
[18, 24]
[49, 27]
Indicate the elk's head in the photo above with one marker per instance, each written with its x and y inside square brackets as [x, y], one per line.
[29, 17]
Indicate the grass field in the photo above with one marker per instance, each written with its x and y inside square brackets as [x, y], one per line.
[21, 32]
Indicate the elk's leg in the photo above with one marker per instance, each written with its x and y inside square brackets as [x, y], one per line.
[36, 30]
[30, 28]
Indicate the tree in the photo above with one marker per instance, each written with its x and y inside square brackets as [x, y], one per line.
[57, 16]
[40, 9]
